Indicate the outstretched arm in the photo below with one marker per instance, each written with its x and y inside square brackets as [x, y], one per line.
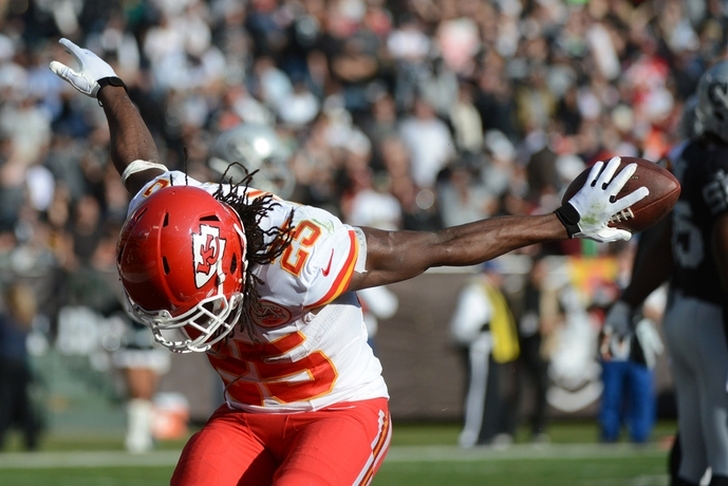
[393, 256]
[133, 151]
[130, 137]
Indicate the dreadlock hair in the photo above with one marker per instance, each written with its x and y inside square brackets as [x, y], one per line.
[257, 251]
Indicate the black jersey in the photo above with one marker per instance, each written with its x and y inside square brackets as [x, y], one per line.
[702, 169]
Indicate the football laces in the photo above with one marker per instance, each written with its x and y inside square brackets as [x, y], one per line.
[623, 215]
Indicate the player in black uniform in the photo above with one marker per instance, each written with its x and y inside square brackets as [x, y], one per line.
[695, 243]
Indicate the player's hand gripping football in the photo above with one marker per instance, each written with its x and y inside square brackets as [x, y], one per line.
[587, 214]
[91, 70]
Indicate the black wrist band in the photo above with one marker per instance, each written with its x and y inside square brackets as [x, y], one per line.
[569, 217]
[112, 81]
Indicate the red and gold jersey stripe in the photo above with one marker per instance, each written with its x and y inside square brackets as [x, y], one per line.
[341, 283]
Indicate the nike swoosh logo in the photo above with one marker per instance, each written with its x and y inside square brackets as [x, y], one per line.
[326, 270]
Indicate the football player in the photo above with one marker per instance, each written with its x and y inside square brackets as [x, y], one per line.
[691, 251]
[266, 288]
[262, 150]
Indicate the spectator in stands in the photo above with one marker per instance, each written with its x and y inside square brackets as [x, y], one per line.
[429, 141]
[462, 197]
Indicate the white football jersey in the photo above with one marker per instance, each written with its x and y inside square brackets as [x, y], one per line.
[310, 346]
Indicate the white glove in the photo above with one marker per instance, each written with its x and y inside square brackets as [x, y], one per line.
[587, 213]
[650, 341]
[615, 338]
[620, 348]
[618, 321]
[92, 69]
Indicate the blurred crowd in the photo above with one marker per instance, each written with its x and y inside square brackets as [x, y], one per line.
[414, 114]
[403, 114]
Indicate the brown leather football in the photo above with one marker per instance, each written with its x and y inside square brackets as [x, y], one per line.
[663, 186]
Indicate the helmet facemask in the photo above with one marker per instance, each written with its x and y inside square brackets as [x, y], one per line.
[211, 320]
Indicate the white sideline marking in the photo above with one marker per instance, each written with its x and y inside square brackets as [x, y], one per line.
[34, 460]
[520, 452]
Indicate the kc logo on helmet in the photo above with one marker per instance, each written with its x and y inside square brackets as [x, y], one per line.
[207, 250]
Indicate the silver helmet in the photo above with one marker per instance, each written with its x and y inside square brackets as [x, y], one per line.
[712, 109]
[256, 147]
[689, 126]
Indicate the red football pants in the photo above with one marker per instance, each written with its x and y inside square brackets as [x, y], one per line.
[341, 445]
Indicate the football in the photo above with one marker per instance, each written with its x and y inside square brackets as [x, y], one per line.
[663, 186]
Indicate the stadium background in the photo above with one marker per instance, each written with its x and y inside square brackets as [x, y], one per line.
[550, 86]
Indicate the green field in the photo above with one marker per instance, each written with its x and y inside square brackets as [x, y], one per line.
[422, 455]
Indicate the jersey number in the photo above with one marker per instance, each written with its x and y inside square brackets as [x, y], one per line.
[158, 184]
[687, 240]
[254, 372]
[304, 237]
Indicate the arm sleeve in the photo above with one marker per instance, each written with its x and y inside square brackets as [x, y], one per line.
[331, 266]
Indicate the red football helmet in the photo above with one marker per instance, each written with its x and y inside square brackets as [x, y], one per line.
[181, 258]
